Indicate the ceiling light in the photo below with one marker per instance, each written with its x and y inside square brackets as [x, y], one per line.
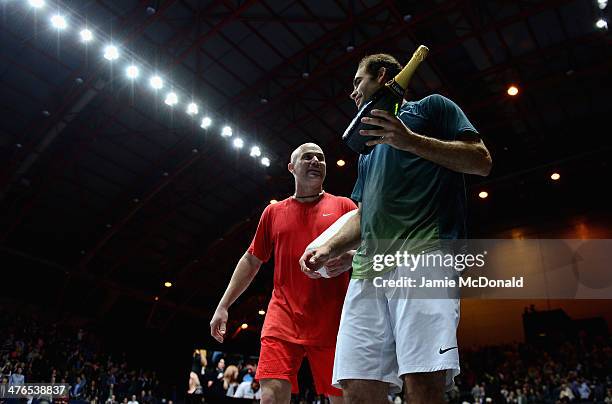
[206, 121]
[261, 312]
[601, 24]
[273, 201]
[156, 82]
[168, 284]
[244, 326]
[341, 163]
[555, 176]
[86, 35]
[37, 3]
[132, 72]
[111, 53]
[512, 91]
[255, 151]
[59, 22]
[483, 194]
[265, 161]
[238, 143]
[192, 108]
[226, 131]
[171, 99]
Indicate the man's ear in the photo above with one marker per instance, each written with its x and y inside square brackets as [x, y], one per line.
[380, 78]
[290, 167]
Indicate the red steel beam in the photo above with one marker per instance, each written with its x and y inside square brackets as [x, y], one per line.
[436, 49]
[275, 72]
[217, 27]
[391, 32]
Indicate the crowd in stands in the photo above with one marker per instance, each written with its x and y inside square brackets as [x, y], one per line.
[34, 351]
[577, 372]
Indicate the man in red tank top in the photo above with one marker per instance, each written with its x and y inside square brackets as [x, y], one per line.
[304, 312]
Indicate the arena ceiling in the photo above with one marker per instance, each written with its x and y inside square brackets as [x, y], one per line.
[106, 192]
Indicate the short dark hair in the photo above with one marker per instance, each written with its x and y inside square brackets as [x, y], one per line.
[373, 63]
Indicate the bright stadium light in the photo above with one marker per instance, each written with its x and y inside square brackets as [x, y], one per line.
[255, 151]
[601, 24]
[132, 72]
[156, 82]
[206, 122]
[512, 90]
[36, 3]
[226, 131]
[171, 99]
[58, 21]
[111, 52]
[238, 143]
[265, 161]
[192, 108]
[86, 35]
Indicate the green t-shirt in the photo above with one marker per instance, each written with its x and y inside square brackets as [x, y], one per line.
[409, 204]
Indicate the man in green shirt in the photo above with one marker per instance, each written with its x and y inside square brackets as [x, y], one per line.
[411, 196]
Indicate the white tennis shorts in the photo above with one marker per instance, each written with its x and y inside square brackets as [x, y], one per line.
[386, 333]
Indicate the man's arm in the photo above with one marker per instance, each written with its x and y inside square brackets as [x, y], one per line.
[245, 271]
[466, 155]
[347, 238]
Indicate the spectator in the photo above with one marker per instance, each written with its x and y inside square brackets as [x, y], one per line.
[566, 395]
[77, 390]
[248, 390]
[215, 382]
[111, 400]
[133, 400]
[17, 378]
[248, 373]
[230, 380]
[584, 391]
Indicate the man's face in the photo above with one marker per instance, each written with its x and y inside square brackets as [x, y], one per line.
[309, 167]
[364, 85]
[221, 364]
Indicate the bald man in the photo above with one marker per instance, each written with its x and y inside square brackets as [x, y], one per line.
[304, 312]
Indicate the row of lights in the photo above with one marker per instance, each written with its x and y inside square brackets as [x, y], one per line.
[601, 23]
[156, 82]
[168, 284]
[485, 194]
[481, 194]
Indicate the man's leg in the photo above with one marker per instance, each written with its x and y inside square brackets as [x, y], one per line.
[426, 335]
[279, 362]
[275, 391]
[365, 391]
[365, 360]
[321, 360]
[425, 388]
[336, 399]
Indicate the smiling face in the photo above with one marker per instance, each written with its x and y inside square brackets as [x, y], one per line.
[308, 165]
[364, 84]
